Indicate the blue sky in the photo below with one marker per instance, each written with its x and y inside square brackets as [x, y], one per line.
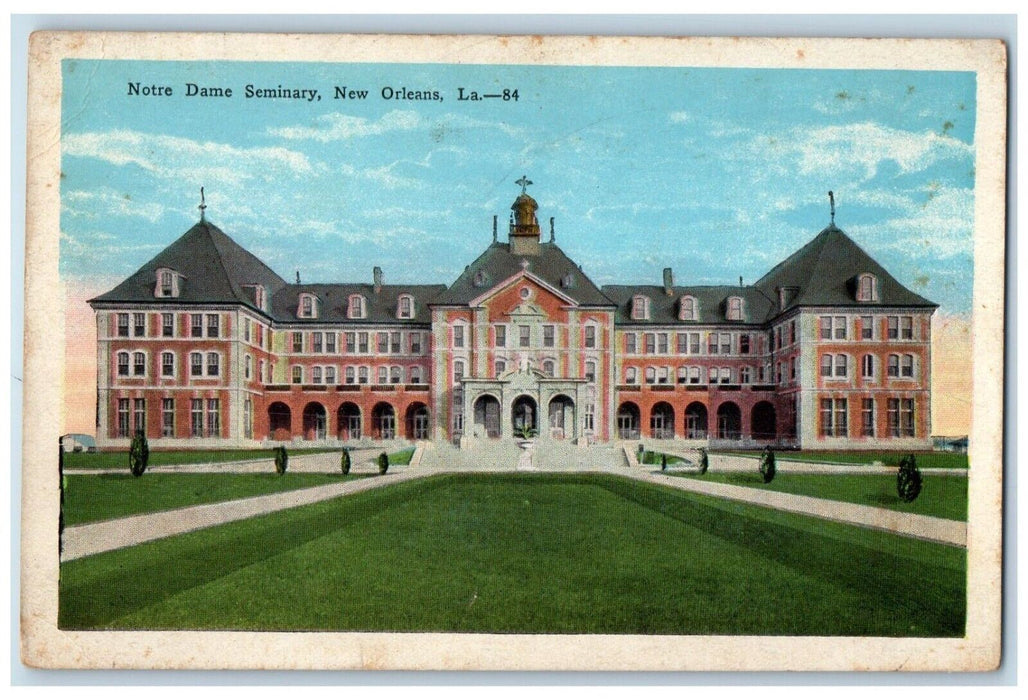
[717, 173]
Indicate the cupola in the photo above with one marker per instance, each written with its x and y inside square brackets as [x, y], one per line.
[524, 226]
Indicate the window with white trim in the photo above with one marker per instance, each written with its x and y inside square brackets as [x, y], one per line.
[297, 374]
[867, 328]
[500, 333]
[383, 375]
[735, 309]
[317, 341]
[395, 375]
[196, 364]
[405, 306]
[213, 417]
[167, 364]
[363, 375]
[630, 343]
[356, 306]
[907, 366]
[123, 417]
[688, 309]
[893, 366]
[867, 366]
[330, 343]
[196, 417]
[415, 375]
[139, 325]
[213, 362]
[123, 325]
[867, 288]
[139, 364]
[590, 336]
[590, 371]
[640, 307]
[123, 364]
[631, 375]
[167, 417]
[315, 375]
[213, 321]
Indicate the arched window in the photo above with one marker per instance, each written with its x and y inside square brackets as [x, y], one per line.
[688, 309]
[308, 306]
[894, 362]
[590, 371]
[139, 364]
[548, 368]
[907, 366]
[631, 375]
[826, 365]
[405, 306]
[867, 287]
[415, 375]
[640, 307]
[395, 375]
[840, 366]
[735, 309]
[867, 366]
[458, 371]
[168, 364]
[356, 306]
[383, 375]
[651, 375]
[123, 364]
[297, 375]
[168, 283]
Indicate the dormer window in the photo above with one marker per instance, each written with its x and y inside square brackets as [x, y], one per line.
[258, 294]
[734, 311]
[567, 281]
[688, 309]
[357, 306]
[480, 279]
[308, 306]
[867, 288]
[405, 306]
[168, 284]
[640, 308]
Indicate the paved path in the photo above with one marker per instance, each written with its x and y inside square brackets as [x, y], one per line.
[84, 540]
[363, 462]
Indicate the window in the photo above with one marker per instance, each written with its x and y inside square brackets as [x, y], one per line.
[726, 343]
[394, 342]
[826, 327]
[167, 283]
[744, 344]
[330, 343]
[317, 341]
[826, 365]
[840, 365]
[906, 327]
[651, 375]
[139, 415]
[694, 343]
[123, 364]
[712, 344]
[415, 343]
[196, 364]
[139, 325]
[681, 343]
[792, 368]
[297, 342]
[395, 375]
[260, 371]
[356, 307]
[651, 343]
[212, 325]
[589, 417]
[867, 288]
[590, 338]
[907, 366]
[712, 375]
[893, 326]
[867, 366]
[548, 368]
[694, 375]
[687, 309]
[640, 307]
[458, 371]
[867, 417]
[683, 375]
[630, 343]
[662, 375]
[351, 375]
[196, 417]
[631, 375]
[901, 417]
[246, 330]
[735, 308]
[213, 418]
[247, 418]
[867, 328]
[524, 336]
[501, 336]
[792, 333]
[212, 364]
[297, 375]
[168, 325]
[548, 336]
[362, 343]
[363, 375]
[167, 364]
[726, 375]
[662, 345]
[405, 306]
[351, 343]
[167, 417]
[123, 417]
[123, 325]
[458, 336]
[499, 367]
[306, 306]
[834, 422]
[383, 343]
[590, 371]
[315, 375]
[330, 375]
[744, 375]
[415, 375]
[139, 364]
[894, 362]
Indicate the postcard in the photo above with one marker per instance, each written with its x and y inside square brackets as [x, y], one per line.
[520, 353]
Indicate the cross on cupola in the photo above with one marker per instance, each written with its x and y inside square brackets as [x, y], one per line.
[524, 182]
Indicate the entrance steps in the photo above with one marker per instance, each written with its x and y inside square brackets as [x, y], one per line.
[505, 455]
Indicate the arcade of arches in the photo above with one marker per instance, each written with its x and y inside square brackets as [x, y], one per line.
[348, 421]
[727, 422]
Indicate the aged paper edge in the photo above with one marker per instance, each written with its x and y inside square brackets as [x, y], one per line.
[45, 646]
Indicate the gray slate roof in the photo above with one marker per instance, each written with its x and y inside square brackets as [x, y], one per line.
[498, 263]
[825, 272]
[381, 306]
[711, 300]
[215, 268]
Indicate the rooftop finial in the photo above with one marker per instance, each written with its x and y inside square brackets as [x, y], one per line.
[298, 277]
[831, 201]
[203, 205]
[524, 182]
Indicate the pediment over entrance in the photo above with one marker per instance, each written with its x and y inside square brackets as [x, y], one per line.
[536, 287]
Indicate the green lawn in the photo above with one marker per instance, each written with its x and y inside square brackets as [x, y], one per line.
[92, 497]
[119, 460]
[650, 457]
[949, 460]
[401, 457]
[942, 496]
[528, 553]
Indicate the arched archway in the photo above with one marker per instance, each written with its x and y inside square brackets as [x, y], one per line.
[280, 421]
[383, 421]
[696, 421]
[524, 414]
[487, 416]
[315, 421]
[628, 421]
[562, 417]
[762, 422]
[417, 421]
[662, 421]
[349, 421]
[729, 421]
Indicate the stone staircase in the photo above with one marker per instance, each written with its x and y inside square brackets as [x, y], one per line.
[488, 455]
[505, 455]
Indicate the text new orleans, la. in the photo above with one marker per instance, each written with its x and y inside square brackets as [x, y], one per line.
[308, 94]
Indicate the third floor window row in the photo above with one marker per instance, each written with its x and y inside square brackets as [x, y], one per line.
[866, 327]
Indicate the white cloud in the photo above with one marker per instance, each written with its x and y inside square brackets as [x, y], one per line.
[940, 226]
[107, 202]
[679, 117]
[337, 127]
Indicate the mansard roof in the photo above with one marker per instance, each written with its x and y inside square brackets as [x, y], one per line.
[215, 269]
[823, 272]
[334, 299]
[711, 301]
[497, 264]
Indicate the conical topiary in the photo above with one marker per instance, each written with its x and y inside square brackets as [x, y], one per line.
[383, 463]
[704, 462]
[767, 465]
[139, 454]
[344, 461]
[281, 460]
[908, 480]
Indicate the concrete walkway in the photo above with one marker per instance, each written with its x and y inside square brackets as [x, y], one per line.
[363, 462]
[925, 527]
[85, 540]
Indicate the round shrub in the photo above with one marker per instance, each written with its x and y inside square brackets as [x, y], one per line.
[908, 480]
[139, 454]
[344, 461]
[383, 463]
[767, 465]
[704, 462]
[281, 460]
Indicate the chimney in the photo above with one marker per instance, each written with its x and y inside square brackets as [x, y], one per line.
[669, 281]
[740, 280]
[552, 236]
[298, 277]
[377, 274]
[495, 217]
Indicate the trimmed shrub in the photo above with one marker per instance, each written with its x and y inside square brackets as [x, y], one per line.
[383, 463]
[344, 461]
[663, 463]
[281, 460]
[139, 454]
[704, 462]
[908, 480]
[767, 465]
